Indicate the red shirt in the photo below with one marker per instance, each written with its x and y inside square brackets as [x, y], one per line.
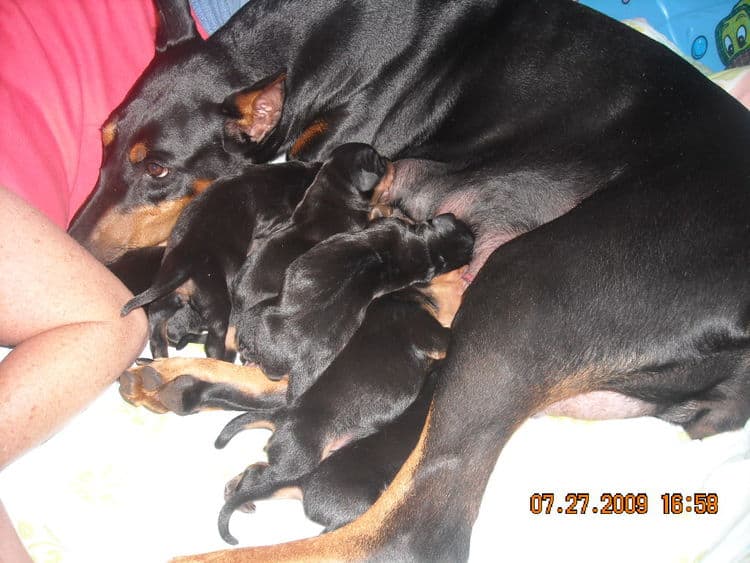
[64, 67]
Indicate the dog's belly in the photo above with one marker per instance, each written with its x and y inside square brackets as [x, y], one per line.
[600, 405]
[492, 204]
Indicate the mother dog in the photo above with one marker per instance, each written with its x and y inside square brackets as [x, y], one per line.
[613, 172]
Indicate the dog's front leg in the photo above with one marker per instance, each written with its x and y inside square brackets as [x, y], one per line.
[188, 385]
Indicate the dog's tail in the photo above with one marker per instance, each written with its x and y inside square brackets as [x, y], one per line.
[257, 482]
[171, 276]
[255, 418]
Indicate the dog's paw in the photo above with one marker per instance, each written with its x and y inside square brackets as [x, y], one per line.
[137, 386]
[159, 385]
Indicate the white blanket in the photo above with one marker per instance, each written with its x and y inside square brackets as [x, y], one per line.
[122, 485]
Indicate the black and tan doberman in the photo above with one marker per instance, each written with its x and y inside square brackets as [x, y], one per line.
[606, 181]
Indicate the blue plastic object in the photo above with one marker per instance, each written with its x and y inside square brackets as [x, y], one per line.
[713, 32]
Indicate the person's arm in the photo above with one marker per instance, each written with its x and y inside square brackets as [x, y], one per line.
[60, 310]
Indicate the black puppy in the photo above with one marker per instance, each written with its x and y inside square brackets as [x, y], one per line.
[209, 244]
[371, 382]
[326, 292]
[334, 203]
[137, 269]
[351, 479]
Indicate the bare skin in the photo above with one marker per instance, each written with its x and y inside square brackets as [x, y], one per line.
[60, 311]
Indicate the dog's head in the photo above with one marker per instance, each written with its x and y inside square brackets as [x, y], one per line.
[184, 123]
[356, 167]
[450, 242]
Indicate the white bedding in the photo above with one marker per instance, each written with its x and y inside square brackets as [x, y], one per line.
[121, 485]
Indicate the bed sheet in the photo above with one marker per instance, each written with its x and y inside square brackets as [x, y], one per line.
[121, 484]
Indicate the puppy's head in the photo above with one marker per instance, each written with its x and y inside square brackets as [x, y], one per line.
[184, 123]
[357, 166]
[450, 242]
[260, 339]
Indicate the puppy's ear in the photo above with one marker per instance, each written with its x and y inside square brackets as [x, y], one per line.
[253, 113]
[175, 24]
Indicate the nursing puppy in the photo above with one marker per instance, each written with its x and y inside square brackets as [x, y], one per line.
[377, 375]
[209, 244]
[334, 203]
[332, 285]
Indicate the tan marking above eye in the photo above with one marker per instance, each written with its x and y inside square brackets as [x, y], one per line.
[200, 184]
[316, 129]
[109, 131]
[138, 153]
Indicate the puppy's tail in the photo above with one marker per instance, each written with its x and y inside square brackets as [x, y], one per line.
[226, 513]
[176, 276]
[255, 418]
[258, 481]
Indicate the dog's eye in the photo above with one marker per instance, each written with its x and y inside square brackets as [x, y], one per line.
[156, 170]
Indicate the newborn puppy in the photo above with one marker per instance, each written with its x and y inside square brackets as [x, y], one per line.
[351, 479]
[370, 383]
[334, 203]
[137, 268]
[209, 244]
[327, 290]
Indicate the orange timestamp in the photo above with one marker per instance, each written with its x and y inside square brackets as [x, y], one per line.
[623, 503]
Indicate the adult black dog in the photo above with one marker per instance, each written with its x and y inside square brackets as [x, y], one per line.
[619, 170]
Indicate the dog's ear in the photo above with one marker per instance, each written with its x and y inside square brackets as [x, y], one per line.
[253, 113]
[175, 24]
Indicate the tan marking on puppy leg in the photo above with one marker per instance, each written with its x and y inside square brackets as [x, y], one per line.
[246, 378]
[293, 493]
[230, 340]
[381, 195]
[446, 291]
[186, 291]
[261, 425]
